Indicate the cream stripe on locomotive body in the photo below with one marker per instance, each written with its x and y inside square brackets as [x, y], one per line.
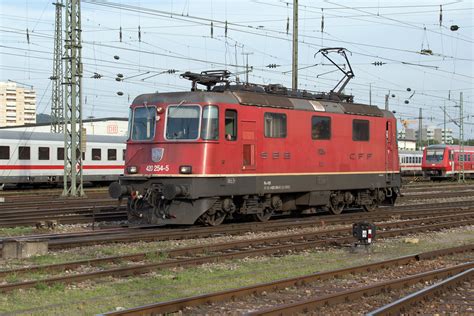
[235, 150]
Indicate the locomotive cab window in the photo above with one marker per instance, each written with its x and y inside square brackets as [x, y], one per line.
[360, 130]
[143, 123]
[23, 153]
[43, 153]
[4, 152]
[275, 125]
[231, 125]
[182, 122]
[210, 123]
[321, 127]
[111, 154]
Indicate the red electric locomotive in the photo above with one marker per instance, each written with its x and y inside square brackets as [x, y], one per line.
[237, 150]
[444, 161]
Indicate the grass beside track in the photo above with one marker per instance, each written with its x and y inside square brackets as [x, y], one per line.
[108, 294]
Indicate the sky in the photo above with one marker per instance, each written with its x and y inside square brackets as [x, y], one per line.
[384, 40]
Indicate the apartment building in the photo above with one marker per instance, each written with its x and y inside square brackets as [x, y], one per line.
[17, 105]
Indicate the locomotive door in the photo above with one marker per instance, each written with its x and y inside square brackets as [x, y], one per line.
[389, 150]
[248, 145]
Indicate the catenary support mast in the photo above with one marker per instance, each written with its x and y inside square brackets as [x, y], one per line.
[294, 71]
[73, 105]
[57, 98]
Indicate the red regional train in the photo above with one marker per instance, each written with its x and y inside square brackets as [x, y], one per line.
[237, 150]
[444, 161]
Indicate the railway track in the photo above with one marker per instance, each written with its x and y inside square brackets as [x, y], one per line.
[196, 255]
[192, 304]
[63, 241]
[413, 302]
[97, 209]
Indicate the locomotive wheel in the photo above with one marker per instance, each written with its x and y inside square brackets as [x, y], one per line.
[370, 207]
[264, 216]
[214, 219]
[336, 209]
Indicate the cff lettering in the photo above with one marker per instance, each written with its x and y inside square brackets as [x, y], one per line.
[360, 156]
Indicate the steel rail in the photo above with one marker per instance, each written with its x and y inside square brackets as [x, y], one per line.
[431, 195]
[404, 304]
[352, 294]
[227, 251]
[62, 241]
[237, 229]
[179, 304]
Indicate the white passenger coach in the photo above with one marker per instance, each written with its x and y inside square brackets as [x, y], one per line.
[34, 158]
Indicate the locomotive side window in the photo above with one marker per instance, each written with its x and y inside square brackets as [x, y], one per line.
[230, 124]
[210, 123]
[124, 151]
[182, 122]
[96, 154]
[60, 153]
[321, 127]
[24, 153]
[360, 130]
[143, 123]
[275, 125]
[112, 154]
[4, 152]
[43, 153]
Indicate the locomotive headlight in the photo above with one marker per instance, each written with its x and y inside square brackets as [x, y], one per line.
[132, 169]
[185, 169]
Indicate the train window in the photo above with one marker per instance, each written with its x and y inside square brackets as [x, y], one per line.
[210, 123]
[4, 152]
[360, 130]
[143, 123]
[96, 154]
[60, 153]
[43, 153]
[230, 124]
[111, 154]
[275, 125]
[182, 122]
[24, 152]
[434, 155]
[321, 127]
[123, 154]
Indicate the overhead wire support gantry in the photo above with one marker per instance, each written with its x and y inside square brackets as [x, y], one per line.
[74, 141]
[57, 97]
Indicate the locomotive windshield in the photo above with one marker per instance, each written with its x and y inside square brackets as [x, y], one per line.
[434, 155]
[183, 122]
[143, 123]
